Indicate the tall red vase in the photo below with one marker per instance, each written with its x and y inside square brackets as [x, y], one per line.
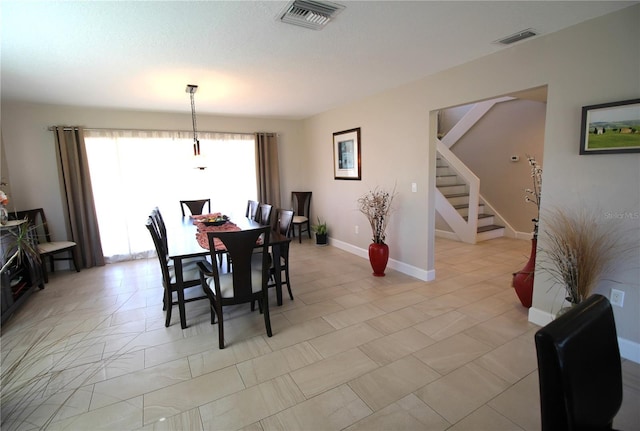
[523, 279]
[378, 257]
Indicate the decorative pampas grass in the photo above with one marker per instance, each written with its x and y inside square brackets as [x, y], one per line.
[578, 250]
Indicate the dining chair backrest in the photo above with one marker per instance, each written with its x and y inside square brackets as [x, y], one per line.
[36, 218]
[252, 208]
[160, 249]
[161, 228]
[284, 221]
[579, 368]
[263, 215]
[301, 203]
[247, 279]
[196, 206]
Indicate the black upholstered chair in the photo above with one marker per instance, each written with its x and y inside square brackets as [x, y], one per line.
[579, 368]
[248, 280]
[301, 204]
[195, 206]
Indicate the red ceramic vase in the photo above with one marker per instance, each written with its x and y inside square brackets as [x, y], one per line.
[523, 279]
[378, 257]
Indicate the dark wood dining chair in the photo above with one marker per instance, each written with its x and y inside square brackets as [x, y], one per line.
[190, 276]
[246, 283]
[263, 215]
[196, 207]
[49, 250]
[283, 225]
[161, 229]
[301, 204]
[252, 208]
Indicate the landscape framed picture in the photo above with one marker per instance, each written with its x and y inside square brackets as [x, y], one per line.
[346, 155]
[611, 128]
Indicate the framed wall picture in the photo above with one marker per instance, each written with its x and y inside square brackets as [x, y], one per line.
[611, 128]
[346, 155]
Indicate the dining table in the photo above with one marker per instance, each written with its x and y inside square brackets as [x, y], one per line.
[184, 241]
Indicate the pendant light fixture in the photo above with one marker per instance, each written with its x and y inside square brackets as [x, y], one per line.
[197, 157]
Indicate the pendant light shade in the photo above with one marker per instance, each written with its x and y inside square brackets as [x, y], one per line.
[197, 157]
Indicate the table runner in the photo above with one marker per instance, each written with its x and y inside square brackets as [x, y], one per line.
[201, 234]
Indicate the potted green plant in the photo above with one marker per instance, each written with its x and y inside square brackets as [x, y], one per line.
[20, 248]
[321, 232]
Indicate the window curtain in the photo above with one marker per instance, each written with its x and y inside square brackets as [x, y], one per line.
[268, 169]
[134, 171]
[82, 221]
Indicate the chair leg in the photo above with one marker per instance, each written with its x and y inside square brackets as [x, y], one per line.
[168, 302]
[309, 229]
[45, 273]
[183, 312]
[220, 329]
[74, 258]
[265, 306]
[286, 274]
[300, 233]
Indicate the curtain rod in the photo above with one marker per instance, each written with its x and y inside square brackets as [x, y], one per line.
[66, 129]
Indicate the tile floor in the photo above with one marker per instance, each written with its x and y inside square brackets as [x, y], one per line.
[351, 352]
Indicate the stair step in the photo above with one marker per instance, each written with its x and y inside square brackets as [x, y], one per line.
[463, 209]
[489, 228]
[483, 215]
[446, 180]
[456, 195]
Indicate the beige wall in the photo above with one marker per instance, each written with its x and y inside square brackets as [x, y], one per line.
[398, 146]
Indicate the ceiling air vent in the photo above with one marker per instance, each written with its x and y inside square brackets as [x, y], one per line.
[310, 14]
[521, 35]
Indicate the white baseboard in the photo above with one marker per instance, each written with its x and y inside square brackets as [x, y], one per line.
[524, 235]
[446, 235]
[629, 350]
[402, 267]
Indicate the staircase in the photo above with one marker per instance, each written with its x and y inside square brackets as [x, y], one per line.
[458, 199]
[456, 192]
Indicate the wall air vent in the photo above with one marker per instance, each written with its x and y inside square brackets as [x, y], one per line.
[309, 13]
[521, 35]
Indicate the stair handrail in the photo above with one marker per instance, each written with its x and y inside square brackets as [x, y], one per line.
[469, 119]
[466, 230]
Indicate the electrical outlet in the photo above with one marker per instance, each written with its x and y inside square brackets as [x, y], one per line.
[356, 229]
[617, 297]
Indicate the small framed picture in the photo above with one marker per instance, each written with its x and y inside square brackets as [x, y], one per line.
[611, 128]
[346, 155]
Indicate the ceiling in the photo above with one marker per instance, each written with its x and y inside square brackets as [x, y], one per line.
[141, 54]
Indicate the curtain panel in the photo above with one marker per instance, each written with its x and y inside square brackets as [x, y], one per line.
[268, 169]
[81, 217]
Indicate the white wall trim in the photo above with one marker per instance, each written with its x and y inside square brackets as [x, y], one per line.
[419, 273]
[629, 350]
[524, 235]
[447, 235]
